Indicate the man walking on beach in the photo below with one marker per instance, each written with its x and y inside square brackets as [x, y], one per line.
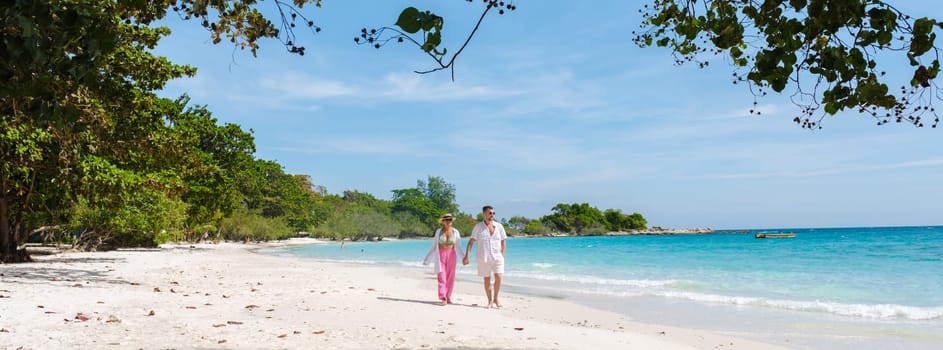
[491, 238]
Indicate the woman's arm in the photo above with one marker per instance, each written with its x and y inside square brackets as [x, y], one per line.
[458, 245]
[432, 251]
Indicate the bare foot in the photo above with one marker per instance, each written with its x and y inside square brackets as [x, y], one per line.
[443, 302]
[497, 305]
[490, 305]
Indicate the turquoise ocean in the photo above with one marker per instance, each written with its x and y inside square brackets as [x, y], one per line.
[874, 287]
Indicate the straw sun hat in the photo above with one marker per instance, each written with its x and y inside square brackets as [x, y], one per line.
[445, 216]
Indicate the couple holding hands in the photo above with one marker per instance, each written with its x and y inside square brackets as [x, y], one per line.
[447, 248]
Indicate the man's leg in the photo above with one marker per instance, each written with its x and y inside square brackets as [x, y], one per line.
[497, 288]
[488, 290]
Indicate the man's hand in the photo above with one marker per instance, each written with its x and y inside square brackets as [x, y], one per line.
[465, 260]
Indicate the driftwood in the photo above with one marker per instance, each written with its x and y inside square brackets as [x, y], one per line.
[46, 233]
[91, 240]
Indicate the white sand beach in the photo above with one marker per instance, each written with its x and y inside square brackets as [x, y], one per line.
[224, 296]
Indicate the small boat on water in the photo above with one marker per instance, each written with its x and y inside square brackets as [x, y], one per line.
[775, 235]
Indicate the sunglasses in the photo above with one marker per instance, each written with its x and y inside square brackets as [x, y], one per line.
[489, 212]
[446, 219]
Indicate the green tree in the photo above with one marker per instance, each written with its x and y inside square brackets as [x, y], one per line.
[464, 223]
[574, 217]
[635, 222]
[305, 194]
[371, 223]
[411, 226]
[518, 222]
[212, 159]
[274, 193]
[413, 202]
[250, 225]
[826, 52]
[535, 227]
[367, 200]
[70, 70]
[613, 219]
[141, 217]
[616, 221]
[440, 192]
[325, 207]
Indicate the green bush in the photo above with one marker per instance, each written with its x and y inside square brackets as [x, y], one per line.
[140, 217]
[535, 227]
[244, 225]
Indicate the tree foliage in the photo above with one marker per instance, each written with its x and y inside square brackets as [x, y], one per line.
[357, 215]
[250, 225]
[518, 222]
[413, 202]
[535, 227]
[573, 217]
[824, 53]
[212, 158]
[241, 22]
[616, 221]
[77, 94]
[582, 218]
[88, 146]
[424, 29]
[440, 192]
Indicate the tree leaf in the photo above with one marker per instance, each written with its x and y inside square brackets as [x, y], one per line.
[408, 20]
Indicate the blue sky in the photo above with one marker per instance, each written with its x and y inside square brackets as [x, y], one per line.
[553, 103]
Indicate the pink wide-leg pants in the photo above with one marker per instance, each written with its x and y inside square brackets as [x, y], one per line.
[446, 274]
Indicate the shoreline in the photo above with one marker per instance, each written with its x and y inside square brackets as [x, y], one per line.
[225, 296]
[801, 329]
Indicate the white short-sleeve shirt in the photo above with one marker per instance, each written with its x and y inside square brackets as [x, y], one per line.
[489, 244]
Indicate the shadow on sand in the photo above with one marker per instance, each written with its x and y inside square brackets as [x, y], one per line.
[41, 272]
[428, 302]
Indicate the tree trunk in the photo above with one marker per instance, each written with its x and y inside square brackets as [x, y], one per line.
[8, 233]
[7, 244]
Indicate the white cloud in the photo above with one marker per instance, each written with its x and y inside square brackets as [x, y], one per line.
[354, 145]
[297, 85]
[834, 170]
[416, 87]
[584, 179]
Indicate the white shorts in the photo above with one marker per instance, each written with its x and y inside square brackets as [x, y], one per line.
[485, 269]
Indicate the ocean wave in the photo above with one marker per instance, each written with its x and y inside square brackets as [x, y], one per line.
[278, 253]
[412, 264]
[871, 311]
[349, 261]
[543, 265]
[590, 280]
[651, 288]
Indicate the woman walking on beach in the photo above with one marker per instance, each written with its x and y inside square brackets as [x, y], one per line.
[446, 250]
